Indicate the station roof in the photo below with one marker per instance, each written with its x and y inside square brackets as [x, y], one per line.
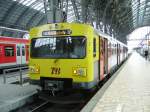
[123, 16]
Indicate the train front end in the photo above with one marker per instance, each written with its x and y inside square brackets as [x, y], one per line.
[61, 56]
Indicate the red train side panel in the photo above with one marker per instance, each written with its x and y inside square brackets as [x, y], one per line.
[112, 54]
[10, 55]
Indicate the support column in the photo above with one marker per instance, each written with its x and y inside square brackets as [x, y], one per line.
[54, 11]
[84, 11]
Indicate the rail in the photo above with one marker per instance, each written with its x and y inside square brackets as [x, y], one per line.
[21, 69]
[43, 105]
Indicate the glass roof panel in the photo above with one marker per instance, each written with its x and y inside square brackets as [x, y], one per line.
[29, 3]
[141, 1]
[140, 10]
[35, 4]
[148, 3]
[20, 1]
[148, 12]
[147, 9]
[39, 5]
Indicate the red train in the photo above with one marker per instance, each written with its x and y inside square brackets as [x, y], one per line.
[14, 52]
[113, 53]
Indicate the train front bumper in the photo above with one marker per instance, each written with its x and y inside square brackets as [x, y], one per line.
[62, 83]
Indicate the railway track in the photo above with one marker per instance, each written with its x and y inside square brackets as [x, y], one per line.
[42, 106]
[51, 107]
[39, 105]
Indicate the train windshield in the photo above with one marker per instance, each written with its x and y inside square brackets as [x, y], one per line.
[58, 47]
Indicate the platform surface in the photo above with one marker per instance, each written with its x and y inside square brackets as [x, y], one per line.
[13, 96]
[128, 92]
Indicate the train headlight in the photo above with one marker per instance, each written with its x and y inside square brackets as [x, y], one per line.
[79, 71]
[34, 69]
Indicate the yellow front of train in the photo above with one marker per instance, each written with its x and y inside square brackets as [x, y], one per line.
[61, 56]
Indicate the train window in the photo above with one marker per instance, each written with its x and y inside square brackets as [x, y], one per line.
[9, 51]
[18, 51]
[94, 47]
[23, 51]
[58, 47]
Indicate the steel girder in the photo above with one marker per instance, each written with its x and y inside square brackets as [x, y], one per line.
[75, 9]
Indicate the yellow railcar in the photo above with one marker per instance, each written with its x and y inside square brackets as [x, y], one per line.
[68, 55]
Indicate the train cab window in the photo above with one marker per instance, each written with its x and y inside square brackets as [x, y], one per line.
[94, 47]
[59, 47]
[23, 51]
[9, 51]
[18, 51]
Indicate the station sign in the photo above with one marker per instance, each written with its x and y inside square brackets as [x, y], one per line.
[56, 32]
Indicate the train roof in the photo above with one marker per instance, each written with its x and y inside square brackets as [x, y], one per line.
[12, 39]
[104, 35]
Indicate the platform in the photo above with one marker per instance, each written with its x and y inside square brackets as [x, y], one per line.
[128, 90]
[13, 96]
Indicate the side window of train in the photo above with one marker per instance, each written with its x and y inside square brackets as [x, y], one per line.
[18, 51]
[23, 51]
[9, 51]
[94, 47]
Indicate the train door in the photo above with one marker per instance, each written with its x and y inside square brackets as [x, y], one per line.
[23, 54]
[109, 56]
[27, 53]
[103, 58]
[1, 54]
[118, 54]
[18, 54]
